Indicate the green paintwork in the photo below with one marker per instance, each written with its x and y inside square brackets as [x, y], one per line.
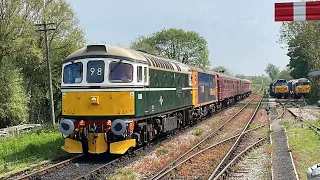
[172, 99]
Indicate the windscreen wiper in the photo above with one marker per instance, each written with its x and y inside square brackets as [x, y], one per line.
[115, 67]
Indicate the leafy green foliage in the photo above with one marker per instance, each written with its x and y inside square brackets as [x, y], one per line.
[13, 106]
[284, 74]
[24, 93]
[184, 46]
[272, 71]
[222, 69]
[298, 61]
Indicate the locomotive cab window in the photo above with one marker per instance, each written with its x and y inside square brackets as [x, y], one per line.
[120, 72]
[302, 83]
[145, 74]
[139, 73]
[72, 73]
[95, 71]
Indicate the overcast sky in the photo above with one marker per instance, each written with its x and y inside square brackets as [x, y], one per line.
[241, 35]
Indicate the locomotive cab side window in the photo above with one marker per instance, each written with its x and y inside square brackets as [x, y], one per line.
[145, 74]
[120, 72]
[73, 73]
[139, 74]
[95, 71]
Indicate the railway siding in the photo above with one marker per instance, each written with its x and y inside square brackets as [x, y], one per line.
[302, 114]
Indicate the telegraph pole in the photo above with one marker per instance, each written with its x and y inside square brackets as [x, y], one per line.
[45, 29]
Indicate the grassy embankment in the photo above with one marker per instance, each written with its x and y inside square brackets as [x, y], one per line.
[305, 145]
[30, 148]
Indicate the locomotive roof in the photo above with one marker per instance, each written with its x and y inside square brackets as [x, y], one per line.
[302, 80]
[163, 63]
[230, 77]
[108, 50]
[105, 50]
[201, 70]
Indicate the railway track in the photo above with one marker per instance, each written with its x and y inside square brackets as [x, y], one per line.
[315, 129]
[311, 126]
[238, 149]
[99, 171]
[202, 147]
[77, 162]
[39, 173]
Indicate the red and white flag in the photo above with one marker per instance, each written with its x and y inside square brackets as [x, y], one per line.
[297, 11]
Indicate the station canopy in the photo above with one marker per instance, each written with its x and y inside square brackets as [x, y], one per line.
[314, 73]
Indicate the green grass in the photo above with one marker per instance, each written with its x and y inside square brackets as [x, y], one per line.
[305, 145]
[198, 132]
[162, 151]
[123, 174]
[30, 148]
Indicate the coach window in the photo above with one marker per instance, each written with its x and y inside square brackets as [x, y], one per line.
[139, 74]
[72, 73]
[95, 71]
[120, 72]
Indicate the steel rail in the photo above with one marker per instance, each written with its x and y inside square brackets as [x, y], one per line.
[240, 154]
[315, 129]
[236, 143]
[204, 139]
[51, 168]
[205, 149]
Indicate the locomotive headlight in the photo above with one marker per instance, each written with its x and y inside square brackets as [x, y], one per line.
[94, 99]
[66, 127]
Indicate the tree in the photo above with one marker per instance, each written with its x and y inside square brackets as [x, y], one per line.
[284, 74]
[298, 60]
[222, 69]
[241, 76]
[272, 71]
[23, 75]
[184, 46]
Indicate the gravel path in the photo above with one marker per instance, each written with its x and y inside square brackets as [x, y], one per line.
[281, 159]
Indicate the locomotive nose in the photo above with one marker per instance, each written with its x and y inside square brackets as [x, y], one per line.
[66, 127]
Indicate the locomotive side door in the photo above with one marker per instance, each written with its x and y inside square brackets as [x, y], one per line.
[145, 93]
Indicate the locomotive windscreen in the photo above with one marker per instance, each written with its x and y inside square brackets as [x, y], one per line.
[72, 73]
